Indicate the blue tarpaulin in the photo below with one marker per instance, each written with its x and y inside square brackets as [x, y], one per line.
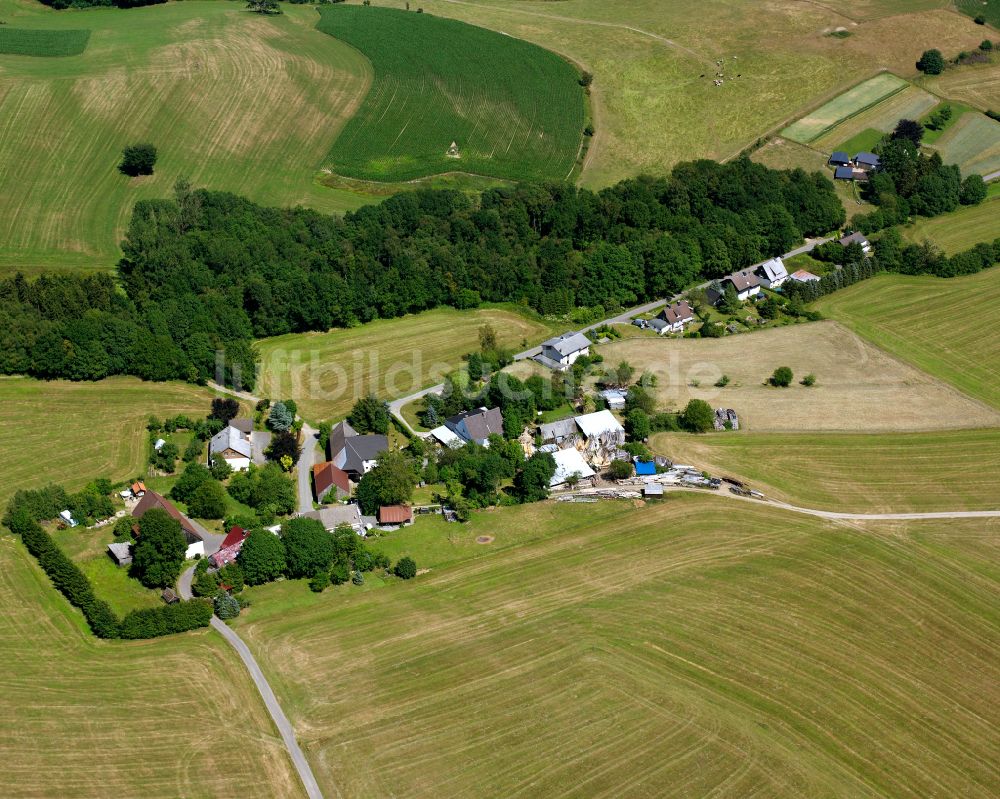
[642, 468]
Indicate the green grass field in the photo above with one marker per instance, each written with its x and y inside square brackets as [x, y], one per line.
[954, 470]
[852, 102]
[943, 326]
[513, 109]
[990, 9]
[92, 719]
[29, 41]
[326, 372]
[71, 433]
[959, 230]
[620, 650]
[231, 99]
[973, 143]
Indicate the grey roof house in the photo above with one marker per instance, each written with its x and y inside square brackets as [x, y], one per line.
[233, 446]
[866, 160]
[353, 453]
[561, 351]
[557, 432]
[857, 238]
[477, 425]
[772, 273]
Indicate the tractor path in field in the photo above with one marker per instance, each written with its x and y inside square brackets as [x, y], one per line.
[266, 693]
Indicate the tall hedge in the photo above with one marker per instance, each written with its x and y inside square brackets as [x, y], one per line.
[74, 585]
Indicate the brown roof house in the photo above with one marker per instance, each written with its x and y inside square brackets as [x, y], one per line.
[477, 425]
[192, 532]
[673, 317]
[327, 477]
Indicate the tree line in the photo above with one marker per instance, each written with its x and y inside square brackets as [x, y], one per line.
[205, 272]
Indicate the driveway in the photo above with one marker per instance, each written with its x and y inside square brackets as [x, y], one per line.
[306, 461]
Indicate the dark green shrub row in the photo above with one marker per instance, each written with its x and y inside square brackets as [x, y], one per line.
[74, 585]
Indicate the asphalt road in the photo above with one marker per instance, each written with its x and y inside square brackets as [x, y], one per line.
[266, 693]
[306, 461]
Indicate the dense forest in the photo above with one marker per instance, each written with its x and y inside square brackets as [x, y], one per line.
[208, 271]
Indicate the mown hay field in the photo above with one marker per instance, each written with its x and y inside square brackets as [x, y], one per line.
[959, 230]
[942, 471]
[70, 433]
[232, 100]
[859, 387]
[36, 42]
[943, 326]
[855, 100]
[910, 103]
[514, 110]
[977, 85]
[92, 719]
[327, 372]
[973, 143]
[685, 644]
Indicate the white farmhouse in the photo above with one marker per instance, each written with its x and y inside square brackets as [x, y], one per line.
[565, 349]
[233, 446]
[772, 273]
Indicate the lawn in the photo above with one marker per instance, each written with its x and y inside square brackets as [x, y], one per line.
[858, 388]
[72, 433]
[681, 644]
[865, 95]
[959, 230]
[35, 42]
[903, 315]
[232, 100]
[973, 143]
[513, 109]
[954, 470]
[990, 9]
[325, 373]
[91, 719]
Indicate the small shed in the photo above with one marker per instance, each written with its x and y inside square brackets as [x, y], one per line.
[843, 173]
[652, 490]
[67, 517]
[395, 514]
[169, 596]
[120, 552]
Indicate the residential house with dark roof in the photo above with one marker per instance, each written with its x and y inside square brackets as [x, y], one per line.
[192, 532]
[477, 425]
[746, 283]
[771, 273]
[675, 316]
[839, 158]
[327, 478]
[866, 161]
[843, 173]
[231, 546]
[558, 432]
[355, 454]
[562, 351]
[333, 516]
[857, 238]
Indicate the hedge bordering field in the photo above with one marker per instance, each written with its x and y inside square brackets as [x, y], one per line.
[74, 585]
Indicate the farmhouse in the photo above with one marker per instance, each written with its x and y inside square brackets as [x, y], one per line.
[327, 477]
[332, 516]
[353, 453]
[395, 515]
[231, 546]
[839, 158]
[477, 425]
[772, 273]
[857, 238]
[674, 317]
[569, 462]
[233, 446]
[562, 351]
[802, 276]
[745, 282]
[193, 533]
